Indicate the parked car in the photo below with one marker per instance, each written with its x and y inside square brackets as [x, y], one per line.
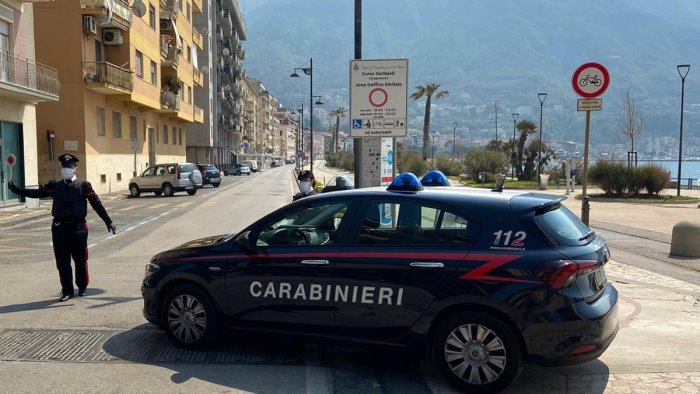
[478, 280]
[166, 179]
[252, 164]
[210, 174]
[237, 169]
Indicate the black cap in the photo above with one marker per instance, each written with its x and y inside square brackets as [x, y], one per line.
[306, 175]
[68, 160]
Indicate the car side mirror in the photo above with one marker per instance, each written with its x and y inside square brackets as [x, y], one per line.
[245, 241]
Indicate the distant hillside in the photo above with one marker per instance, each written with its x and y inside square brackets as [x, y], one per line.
[485, 50]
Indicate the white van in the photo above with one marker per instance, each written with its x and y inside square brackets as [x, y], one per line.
[253, 164]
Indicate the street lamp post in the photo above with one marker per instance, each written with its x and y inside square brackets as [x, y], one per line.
[454, 138]
[300, 134]
[683, 72]
[542, 97]
[495, 116]
[515, 116]
[310, 72]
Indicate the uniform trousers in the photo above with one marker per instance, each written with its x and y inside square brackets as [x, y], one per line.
[70, 241]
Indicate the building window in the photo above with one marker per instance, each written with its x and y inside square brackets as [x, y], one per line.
[152, 16]
[179, 3]
[139, 64]
[189, 54]
[189, 94]
[100, 122]
[117, 124]
[165, 133]
[174, 136]
[132, 128]
[103, 178]
[154, 73]
[180, 136]
[189, 11]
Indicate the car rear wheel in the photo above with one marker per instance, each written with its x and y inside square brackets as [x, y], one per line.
[477, 352]
[134, 190]
[216, 184]
[192, 192]
[190, 317]
[168, 190]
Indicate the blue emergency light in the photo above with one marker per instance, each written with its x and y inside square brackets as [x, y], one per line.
[435, 178]
[406, 182]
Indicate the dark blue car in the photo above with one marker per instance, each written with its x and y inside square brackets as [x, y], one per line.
[479, 281]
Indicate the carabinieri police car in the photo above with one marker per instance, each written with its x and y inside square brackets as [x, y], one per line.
[478, 280]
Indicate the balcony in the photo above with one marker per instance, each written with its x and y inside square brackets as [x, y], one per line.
[197, 6]
[198, 77]
[26, 80]
[197, 38]
[172, 59]
[169, 101]
[169, 8]
[107, 78]
[121, 12]
[226, 23]
[198, 114]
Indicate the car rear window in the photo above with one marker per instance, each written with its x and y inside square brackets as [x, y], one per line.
[187, 167]
[210, 167]
[561, 225]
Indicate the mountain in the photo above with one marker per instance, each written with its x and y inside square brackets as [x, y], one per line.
[487, 51]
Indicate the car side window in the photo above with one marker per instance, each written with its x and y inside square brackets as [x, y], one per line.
[171, 169]
[149, 172]
[412, 223]
[160, 171]
[313, 225]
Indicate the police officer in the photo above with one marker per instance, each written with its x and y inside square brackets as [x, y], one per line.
[69, 231]
[307, 182]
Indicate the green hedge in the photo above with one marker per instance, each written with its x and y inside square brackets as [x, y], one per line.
[617, 180]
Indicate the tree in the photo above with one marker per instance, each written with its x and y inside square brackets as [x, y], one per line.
[338, 113]
[629, 120]
[428, 91]
[526, 128]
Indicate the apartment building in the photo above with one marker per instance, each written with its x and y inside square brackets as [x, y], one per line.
[127, 74]
[24, 83]
[288, 130]
[221, 135]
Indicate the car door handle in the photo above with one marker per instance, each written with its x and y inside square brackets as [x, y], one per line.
[427, 264]
[315, 262]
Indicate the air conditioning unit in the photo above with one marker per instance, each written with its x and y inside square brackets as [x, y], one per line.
[89, 25]
[166, 25]
[112, 37]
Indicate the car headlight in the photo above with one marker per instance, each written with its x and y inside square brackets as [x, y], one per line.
[151, 268]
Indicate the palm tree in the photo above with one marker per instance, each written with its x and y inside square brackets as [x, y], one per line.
[429, 90]
[338, 113]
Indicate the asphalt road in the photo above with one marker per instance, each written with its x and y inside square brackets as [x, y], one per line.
[101, 343]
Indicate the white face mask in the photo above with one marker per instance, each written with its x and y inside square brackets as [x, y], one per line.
[67, 173]
[305, 187]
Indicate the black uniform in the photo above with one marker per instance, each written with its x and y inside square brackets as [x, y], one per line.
[69, 230]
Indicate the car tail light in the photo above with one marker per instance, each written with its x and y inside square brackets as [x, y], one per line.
[561, 273]
[177, 171]
[582, 349]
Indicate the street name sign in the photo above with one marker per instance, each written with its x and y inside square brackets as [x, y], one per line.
[378, 98]
[589, 105]
[590, 80]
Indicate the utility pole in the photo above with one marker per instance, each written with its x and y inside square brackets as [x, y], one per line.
[495, 111]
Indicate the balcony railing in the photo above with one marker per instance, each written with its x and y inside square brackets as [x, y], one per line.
[108, 74]
[198, 114]
[28, 74]
[198, 77]
[121, 12]
[197, 38]
[169, 100]
[173, 57]
[171, 8]
[164, 40]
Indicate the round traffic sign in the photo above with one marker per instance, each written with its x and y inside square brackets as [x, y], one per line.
[590, 80]
[378, 97]
[11, 160]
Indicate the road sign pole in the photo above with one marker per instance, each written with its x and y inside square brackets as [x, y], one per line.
[585, 209]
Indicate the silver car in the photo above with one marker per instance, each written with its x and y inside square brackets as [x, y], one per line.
[166, 179]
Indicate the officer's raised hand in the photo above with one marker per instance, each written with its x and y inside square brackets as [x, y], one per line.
[112, 228]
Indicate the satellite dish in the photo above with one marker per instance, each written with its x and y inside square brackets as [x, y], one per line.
[139, 8]
[225, 51]
[204, 69]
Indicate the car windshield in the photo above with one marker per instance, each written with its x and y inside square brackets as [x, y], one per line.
[210, 167]
[561, 225]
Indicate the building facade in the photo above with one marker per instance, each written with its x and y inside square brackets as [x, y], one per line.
[128, 76]
[221, 134]
[24, 83]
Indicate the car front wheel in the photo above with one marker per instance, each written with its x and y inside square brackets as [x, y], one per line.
[192, 192]
[477, 352]
[134, 191]
[216, 184]
[190, 318]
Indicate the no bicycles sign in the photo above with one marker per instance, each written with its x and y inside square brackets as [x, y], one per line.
[590, 80]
